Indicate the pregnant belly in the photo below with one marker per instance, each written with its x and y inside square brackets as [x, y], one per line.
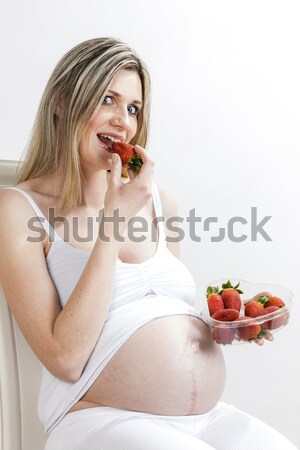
[170, 366]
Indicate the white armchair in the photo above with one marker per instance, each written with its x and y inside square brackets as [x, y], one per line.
[20, 371]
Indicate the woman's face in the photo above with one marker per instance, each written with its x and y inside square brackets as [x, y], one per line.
[116, 117]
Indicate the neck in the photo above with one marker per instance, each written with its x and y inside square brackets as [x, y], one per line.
[94, 189]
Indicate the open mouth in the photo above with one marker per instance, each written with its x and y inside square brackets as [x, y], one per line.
[107, 141]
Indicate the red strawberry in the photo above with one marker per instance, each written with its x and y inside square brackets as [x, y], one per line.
[248, 332]
[253, 308]
[214, 300]
[231, 296]
[215, 303]
[128, 156]
[226, 315]
[222, 334]
[277, 321]
[275, 301]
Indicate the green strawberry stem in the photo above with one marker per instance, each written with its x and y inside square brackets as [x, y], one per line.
[263, 300]
[228, 285]
[135, 163]
[212, 290]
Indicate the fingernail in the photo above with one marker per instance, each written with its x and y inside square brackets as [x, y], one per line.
[114, 158]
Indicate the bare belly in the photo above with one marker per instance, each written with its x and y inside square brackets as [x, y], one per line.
[170, 366]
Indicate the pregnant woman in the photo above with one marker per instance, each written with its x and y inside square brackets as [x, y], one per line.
[128, 364]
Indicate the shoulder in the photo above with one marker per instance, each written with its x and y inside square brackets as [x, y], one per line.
[13, 201]
[10, 200]
[15, 216]
[168, 202]
[14, 213]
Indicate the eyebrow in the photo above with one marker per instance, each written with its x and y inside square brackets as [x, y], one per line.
[119, 95]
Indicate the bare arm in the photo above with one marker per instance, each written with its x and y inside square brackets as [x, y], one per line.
[64, 339]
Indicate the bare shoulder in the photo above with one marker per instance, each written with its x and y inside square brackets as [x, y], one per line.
[16, 212]
[13, 206]
[13, 197]
[17, 205]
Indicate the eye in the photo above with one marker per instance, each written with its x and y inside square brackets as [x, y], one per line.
[106, 100]
[134, 110]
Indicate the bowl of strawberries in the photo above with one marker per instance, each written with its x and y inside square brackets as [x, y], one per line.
[239, 311]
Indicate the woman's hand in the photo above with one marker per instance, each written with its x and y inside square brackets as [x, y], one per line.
[124, 200]
[269, 337]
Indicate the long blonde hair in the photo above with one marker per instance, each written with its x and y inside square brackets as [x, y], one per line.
[77, 84]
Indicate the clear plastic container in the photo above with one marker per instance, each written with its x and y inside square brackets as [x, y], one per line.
[231, 332]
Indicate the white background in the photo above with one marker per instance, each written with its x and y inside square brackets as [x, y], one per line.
[224, 134]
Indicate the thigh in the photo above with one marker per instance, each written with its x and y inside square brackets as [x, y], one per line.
[233, 429]
[113, 429]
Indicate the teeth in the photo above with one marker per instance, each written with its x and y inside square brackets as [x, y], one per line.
[111, 138]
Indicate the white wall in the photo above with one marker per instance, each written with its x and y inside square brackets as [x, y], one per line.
[224, 134]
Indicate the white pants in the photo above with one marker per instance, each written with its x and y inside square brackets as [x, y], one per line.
[106, 428]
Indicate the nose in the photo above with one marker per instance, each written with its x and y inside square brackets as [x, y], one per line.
[121, 118]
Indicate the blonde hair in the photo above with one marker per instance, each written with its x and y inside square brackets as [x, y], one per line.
[77, 84]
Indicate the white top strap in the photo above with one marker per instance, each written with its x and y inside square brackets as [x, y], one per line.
[156, 201]
[159, 214]
[53, 236]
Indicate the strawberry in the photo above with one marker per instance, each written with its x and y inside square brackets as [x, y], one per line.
[275, 301]
[248, 332]
[214, 300]
[231, 296]
[253, 308]
[215, 303]
[128, 156]
[226, 315]
[277, 321]
[222, 334]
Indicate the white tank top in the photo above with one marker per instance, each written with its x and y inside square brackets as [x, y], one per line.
[160, 286]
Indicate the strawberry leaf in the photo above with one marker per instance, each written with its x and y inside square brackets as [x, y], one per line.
[238, 290]
[135, 164]
[212, 290]
[228, 285]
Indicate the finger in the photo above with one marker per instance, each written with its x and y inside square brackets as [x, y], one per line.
[131, 174]
[259, 342]
[269, 336]
[116, 168]
[142, 152]
[148, 164]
